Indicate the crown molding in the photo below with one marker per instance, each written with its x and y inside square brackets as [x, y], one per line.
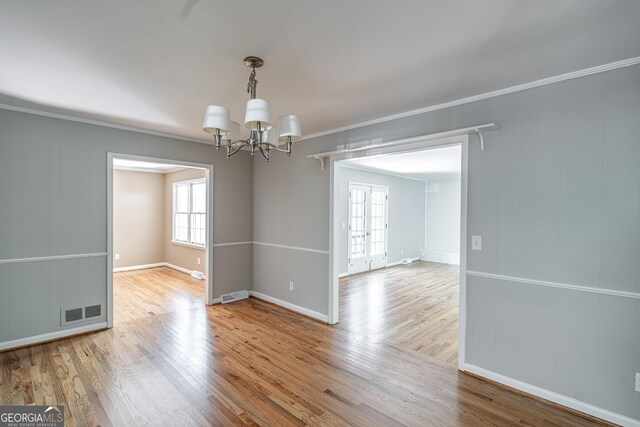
[100, 123]
[493, 94]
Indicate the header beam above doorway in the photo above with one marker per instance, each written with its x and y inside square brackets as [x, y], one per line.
[358, 147]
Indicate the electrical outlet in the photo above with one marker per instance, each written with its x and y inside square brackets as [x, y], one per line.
[401, 252]
[198, 261]
[290, 286]
[638, 382]
[117, 257]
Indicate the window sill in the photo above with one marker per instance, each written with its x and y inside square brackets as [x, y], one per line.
[188, 245]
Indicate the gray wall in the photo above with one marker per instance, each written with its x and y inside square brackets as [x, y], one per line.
[555, 196]
[406, 213]
[53, 201]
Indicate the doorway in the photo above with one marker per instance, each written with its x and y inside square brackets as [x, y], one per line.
[418, 273]
[368, 226]
[169, 263]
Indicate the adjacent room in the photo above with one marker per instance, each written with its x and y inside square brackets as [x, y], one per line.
[400, 223]
[159, 238]
[324, 213]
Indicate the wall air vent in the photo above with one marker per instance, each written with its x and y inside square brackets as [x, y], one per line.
[93, 311]
[71, 315]
[236, 296]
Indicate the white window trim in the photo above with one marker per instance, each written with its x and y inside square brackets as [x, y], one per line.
[173, 213]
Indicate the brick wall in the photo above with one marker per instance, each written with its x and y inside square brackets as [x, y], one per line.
[442, 221]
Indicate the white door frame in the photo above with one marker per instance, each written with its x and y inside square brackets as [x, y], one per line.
[334, 231]
[209, 239]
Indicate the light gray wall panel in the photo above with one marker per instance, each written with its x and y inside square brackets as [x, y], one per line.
[508, 243]
[483, 186]
[577, 344]
[581, 203]
[481, 321]
[546, 195]
[616, 342]
[231, 269]
[580, 344]
[274, 267]
[620, 244]
[53, 201]
[544, 338]
[406, 213]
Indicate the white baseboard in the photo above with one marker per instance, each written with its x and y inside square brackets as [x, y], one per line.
[159, 264]
[393, 264]
[290, 306]
[552, 396]
[341, 275]
[139, 267]
[7, 345]
[175, 267]
[215, 301]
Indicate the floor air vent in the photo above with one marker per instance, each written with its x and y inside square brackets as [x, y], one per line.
[72, 315]
[92, 311]
[236, 296]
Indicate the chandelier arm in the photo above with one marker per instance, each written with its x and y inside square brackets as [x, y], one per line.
[275, 147]
[264, 152]
[231, 150]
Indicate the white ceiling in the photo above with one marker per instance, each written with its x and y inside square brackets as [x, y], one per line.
[140, 166]
[156, 64]
[434, 163]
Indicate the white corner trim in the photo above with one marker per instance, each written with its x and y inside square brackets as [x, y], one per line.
[7, 345]
[139, 267]
[314, 314]
[100, 123]
[590, 289]
[293, 248]
[221, 245]
[552, 396]
[341, 275]
[480, 97]
[52, 258]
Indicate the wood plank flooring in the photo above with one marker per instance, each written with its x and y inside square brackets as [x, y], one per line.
[253, 363]
[413, 306]
[153, 291]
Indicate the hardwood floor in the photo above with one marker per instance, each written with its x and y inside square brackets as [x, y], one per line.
[154, 291]
[252, 363]
[413, 306]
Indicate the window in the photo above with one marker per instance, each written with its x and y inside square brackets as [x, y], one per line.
[190, 212]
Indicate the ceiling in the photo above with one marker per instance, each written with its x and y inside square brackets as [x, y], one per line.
[140, 166]
[156, 64]
[435, 163]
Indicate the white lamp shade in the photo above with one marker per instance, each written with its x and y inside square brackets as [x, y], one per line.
[233, 134]
[216, 117]
[271, 136]
[258, 110]
[289, 126]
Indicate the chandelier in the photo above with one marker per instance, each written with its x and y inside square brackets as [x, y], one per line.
[263, 136]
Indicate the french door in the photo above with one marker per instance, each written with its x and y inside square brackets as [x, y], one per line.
[368, 227]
